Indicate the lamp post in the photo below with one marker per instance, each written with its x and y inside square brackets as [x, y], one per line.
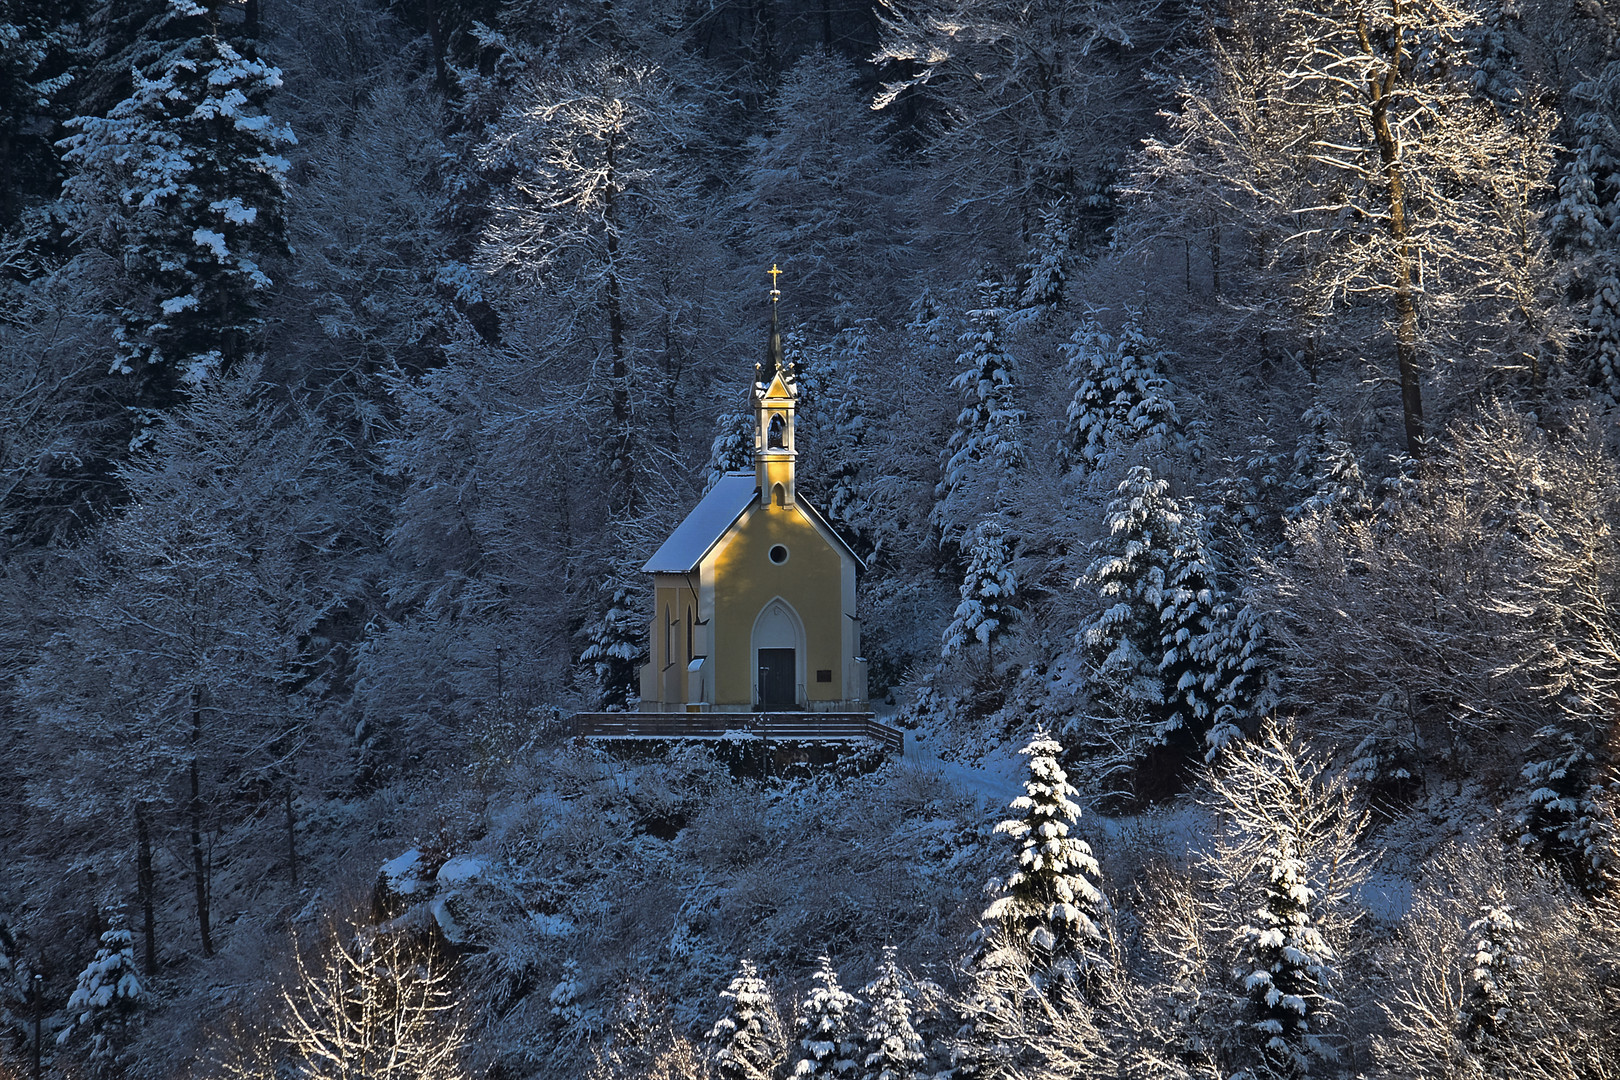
[500, 683]
[39, 1001]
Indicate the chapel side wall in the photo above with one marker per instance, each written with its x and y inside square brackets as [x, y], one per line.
[745, 580]
[673, 603]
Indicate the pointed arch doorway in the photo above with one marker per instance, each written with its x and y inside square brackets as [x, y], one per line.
[778, 650]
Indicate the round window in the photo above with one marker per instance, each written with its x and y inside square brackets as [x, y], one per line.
[778, 554]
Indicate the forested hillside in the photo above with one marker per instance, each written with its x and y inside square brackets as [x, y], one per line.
[1222, 397]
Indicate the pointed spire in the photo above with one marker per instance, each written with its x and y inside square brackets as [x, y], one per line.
[774, 360]
[773, 343]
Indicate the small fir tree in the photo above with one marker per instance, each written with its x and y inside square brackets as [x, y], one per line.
[1585, 225]
[192, 161]
[1289, 968]
[1050, 905]
[616, 647]
[109, 990]
[989, 589]
[1571, 809]
[732, 449]
[892, 1049]
[1188, 610]
[829, 1044]
[1238, 664]
[1085, 431]
[1122, 402]
[748, 1040]
[987, 445]
[1326, 474]
[1149, 646]
[564, 997]
[1045, 275]
[1494, 975]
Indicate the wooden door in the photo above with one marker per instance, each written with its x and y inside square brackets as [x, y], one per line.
[778, 676]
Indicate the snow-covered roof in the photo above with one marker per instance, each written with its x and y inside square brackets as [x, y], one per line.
[705, 525]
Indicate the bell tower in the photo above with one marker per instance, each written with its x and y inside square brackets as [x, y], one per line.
[774, 399]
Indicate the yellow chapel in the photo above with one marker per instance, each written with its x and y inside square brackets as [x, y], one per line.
[754, 590]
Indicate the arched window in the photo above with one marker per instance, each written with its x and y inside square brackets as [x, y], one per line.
[779, 495]
[773, 441]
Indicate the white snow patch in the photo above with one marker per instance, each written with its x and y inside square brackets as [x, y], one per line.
[551, 925]
[214, 241]
[176, 304]
[448, 926]
[201, 367]
[459, 869]
[401, 872]
[234, 211]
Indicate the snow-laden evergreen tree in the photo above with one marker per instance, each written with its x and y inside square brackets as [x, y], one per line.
[1289, 969]
[989, 593]
[987, 446]
[564, 997]
[1045, 275]
[748, 1038]
[891, 1048]
[617, 646]
[109, 991]
[1189, 614]
[1494, 982]
[1571, 808]
[1149, 647]
[829, 1040]
[1585, 225]
[37, 39]
[1326, 474]
[1239, 673]
[931, 327]
[1122, 405]
[185, 181]
[732, 449]
[1050, 906]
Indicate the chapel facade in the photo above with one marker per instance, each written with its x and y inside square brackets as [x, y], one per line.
[754, 590]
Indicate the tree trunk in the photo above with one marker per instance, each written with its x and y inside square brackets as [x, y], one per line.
[144, 886]
[623, 498]
[1379, 89]
[199, 865]
[441, 77]
[292, 847]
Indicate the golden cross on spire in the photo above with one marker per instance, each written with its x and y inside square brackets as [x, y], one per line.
[776, 294]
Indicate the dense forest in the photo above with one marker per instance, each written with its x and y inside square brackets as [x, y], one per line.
[1222, 395]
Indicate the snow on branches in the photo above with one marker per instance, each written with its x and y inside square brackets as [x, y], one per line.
[829, 1043]
[192, 163]
[1050, 906]
[986, 448]
[988, 590]
[1122, 407]
[748, 1038]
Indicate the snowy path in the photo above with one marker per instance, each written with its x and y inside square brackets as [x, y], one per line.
[990, 786]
